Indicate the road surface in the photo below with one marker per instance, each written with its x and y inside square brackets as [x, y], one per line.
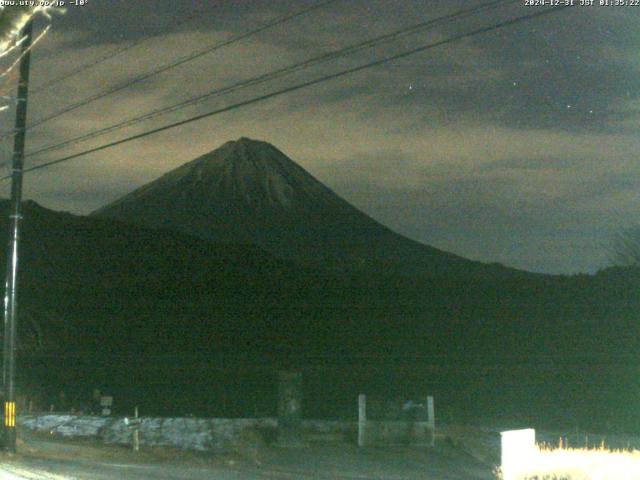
[44, 458]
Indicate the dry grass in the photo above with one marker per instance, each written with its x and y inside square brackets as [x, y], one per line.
[580, 464]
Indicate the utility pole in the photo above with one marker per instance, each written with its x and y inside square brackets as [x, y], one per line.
[11, 282]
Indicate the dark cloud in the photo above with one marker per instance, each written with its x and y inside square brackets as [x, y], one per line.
[563, 72]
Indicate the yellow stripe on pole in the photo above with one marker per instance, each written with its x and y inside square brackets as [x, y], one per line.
[9, 414]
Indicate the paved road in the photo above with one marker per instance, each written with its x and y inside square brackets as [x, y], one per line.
[46, 458]
[68, 470]
[321, 463]
[469, 456]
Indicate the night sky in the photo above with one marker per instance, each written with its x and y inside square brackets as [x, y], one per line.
[517, 146]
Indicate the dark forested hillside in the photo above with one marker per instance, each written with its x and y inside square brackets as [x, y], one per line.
[104, 302]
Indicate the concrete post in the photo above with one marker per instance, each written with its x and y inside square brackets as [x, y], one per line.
[431, 420]
[136, 433]
[290, 409]
[362, 420]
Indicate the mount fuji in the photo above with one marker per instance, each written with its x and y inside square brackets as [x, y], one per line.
[248, 191]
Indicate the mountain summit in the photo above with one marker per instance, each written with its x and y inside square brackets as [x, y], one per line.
[249, 191]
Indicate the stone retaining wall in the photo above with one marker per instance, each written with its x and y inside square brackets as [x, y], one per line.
[188, 433]
[210, 434]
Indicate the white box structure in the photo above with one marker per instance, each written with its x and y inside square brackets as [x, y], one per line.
[518, 452]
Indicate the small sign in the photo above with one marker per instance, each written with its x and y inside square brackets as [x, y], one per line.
[106, 401]
[132, 422]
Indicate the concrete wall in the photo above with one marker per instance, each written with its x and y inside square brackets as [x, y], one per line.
[188, 433]
[217, 434]
[380, 432]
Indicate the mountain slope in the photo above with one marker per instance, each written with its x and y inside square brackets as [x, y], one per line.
[92, 274]
[249, 191]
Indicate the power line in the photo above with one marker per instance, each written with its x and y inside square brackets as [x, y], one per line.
[275, 74]
[300, 86]
[192, 56]
[114, 53]
[454, 360]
